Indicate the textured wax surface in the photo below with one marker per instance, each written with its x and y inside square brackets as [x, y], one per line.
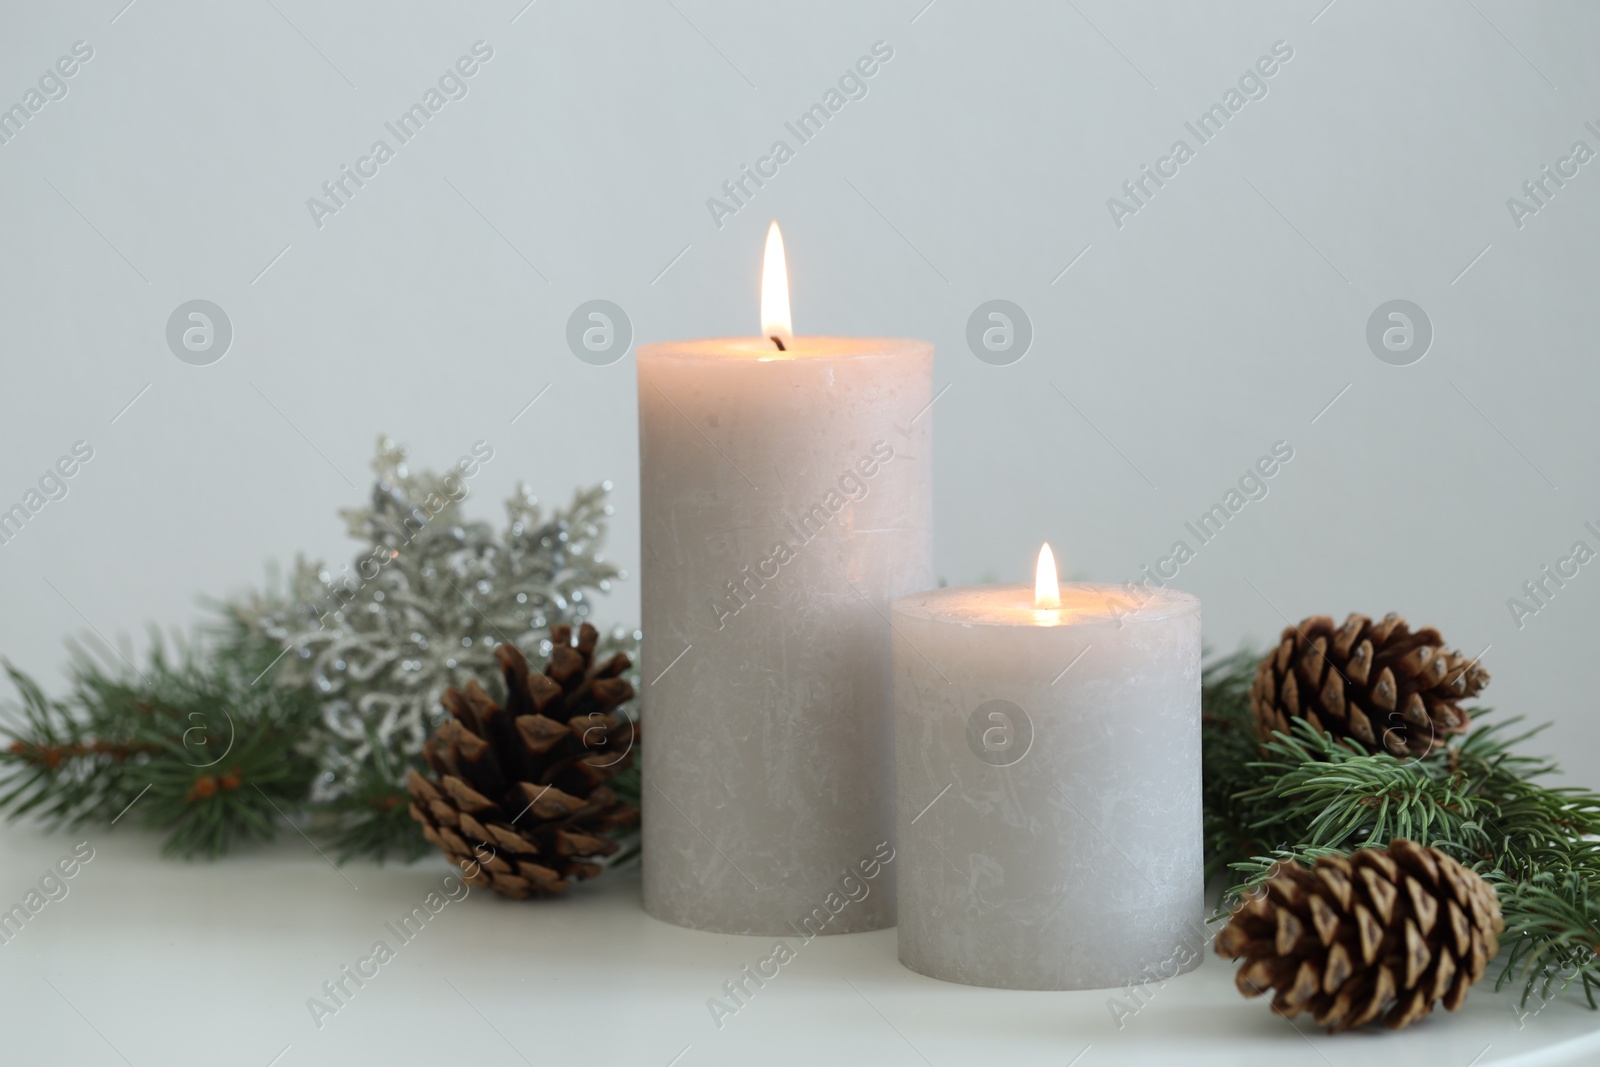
[1058, 845]
[785, 503]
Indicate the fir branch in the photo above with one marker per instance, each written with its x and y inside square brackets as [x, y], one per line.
[1228, 747]
[186, 746]
[55, 767]
[1552, 934]
[1255, 870]
[627, 786]
[1305, 795]
[373, 818]
[1323, 793]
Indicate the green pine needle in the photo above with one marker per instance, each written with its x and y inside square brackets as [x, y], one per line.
[373, 819]
[1304, 795]
[187, 746]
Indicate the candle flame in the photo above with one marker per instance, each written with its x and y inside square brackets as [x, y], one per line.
[1046, 585]
[775, 320]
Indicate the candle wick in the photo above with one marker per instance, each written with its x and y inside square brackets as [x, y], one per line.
[779, 342]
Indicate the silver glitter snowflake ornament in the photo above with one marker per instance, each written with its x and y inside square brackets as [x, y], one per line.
[423, 606]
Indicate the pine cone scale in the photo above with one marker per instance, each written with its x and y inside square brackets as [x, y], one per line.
[1338, 969]
[1378, 683]
[1412, 927]
[520, 798]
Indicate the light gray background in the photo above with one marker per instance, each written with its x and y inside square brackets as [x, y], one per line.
[1223, 317]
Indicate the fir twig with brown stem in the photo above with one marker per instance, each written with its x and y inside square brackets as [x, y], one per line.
[187, 746]
[1304, 794]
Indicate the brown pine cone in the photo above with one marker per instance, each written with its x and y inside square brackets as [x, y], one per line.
[1379, 683]
[1381, 931]
[520, 802]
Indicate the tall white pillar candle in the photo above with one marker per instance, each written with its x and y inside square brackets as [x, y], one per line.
[786, 499]
[1048, 785]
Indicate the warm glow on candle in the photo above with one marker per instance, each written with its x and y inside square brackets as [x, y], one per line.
[775, 320]
[1046, 585]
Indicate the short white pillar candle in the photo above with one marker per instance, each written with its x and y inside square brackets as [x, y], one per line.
[1047, 764]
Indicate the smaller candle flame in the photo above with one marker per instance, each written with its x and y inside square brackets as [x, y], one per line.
[1046, 584]
[776, 324]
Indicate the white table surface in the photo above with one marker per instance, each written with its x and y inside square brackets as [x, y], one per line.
[153, 962]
